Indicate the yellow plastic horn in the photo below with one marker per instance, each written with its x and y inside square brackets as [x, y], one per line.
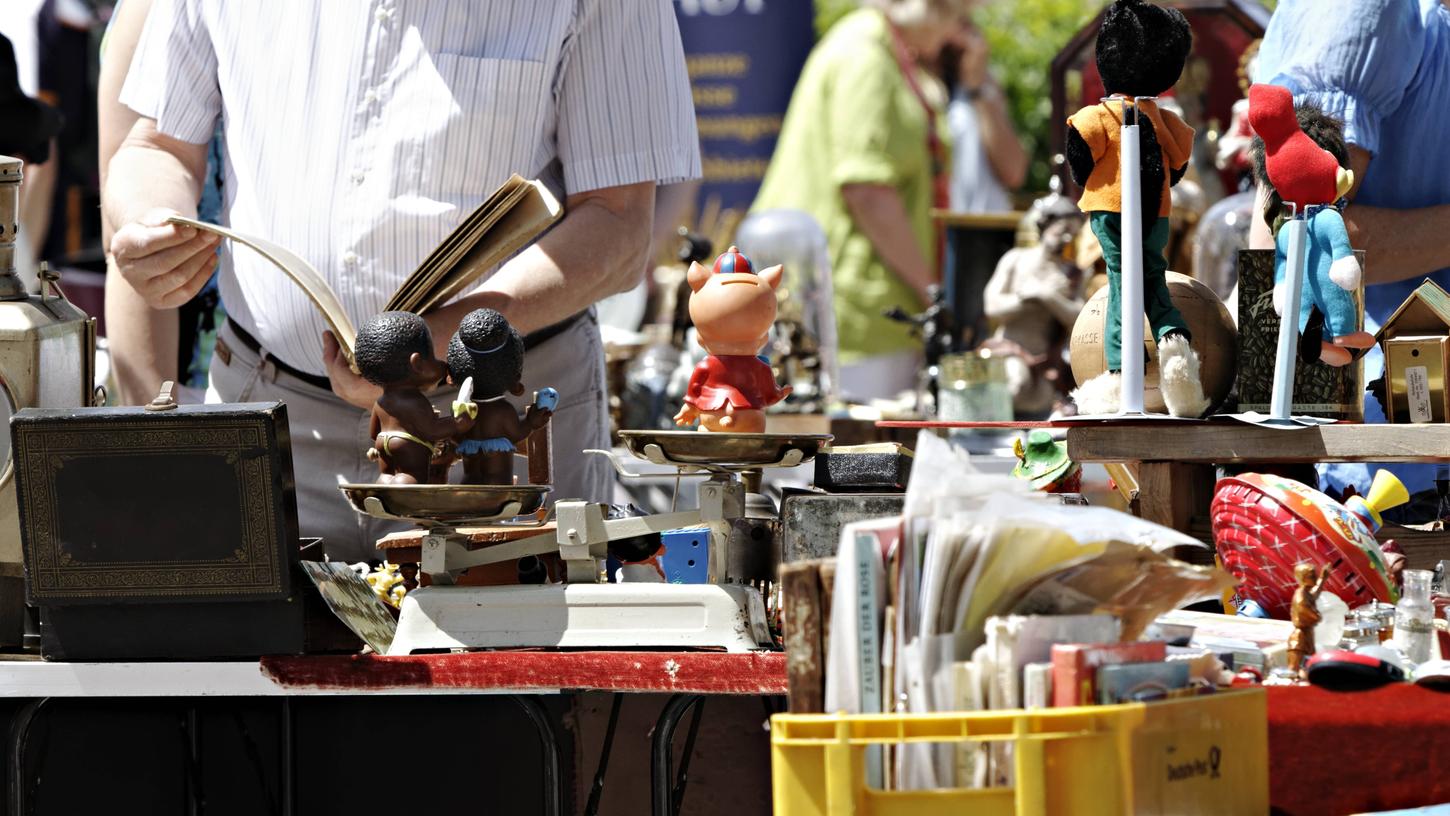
[1385, 492]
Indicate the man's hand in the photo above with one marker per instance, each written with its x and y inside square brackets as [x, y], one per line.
[167, 264]
[346, 383]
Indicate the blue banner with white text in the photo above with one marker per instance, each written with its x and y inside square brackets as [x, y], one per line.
[744, 57]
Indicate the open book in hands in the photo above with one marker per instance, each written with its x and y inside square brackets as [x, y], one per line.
[513, 216]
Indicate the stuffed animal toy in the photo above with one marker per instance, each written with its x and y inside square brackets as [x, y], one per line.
[490, 352]
[733, 309]
[395, 350]
[1141, 51]
[1308, 176]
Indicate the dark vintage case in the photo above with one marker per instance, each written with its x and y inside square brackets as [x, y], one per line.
[164, 534]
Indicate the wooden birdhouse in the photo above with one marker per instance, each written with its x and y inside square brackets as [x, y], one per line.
[1416, 345]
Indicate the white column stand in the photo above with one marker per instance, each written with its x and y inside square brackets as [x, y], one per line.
[1131, 265]
[1282, 401]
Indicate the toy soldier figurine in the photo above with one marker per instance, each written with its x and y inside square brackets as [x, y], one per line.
[1304, 613]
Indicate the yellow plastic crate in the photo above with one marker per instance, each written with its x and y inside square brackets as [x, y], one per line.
[1195, 755]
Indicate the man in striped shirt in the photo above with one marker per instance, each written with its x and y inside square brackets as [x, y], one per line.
[358, 135]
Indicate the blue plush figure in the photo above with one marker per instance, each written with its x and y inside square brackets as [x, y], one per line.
[1303, 173]
[1331, 275]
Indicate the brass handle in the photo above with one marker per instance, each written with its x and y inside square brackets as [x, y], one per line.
[165, 401]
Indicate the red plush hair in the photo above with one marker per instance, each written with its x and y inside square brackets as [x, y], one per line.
[1301, 171]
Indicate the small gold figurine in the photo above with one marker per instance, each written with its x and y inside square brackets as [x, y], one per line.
[1304, 613]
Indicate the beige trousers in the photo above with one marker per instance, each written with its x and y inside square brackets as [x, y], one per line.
[330, 438]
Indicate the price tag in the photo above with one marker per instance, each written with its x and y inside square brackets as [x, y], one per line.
[1417, 390]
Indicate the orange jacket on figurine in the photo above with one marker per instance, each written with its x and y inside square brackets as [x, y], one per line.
[1100, 127]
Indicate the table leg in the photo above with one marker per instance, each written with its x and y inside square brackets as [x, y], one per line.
[662, 753]
[553, 774]
[288, 734]
[195, 794]
[682, 779]
[591, 808]
[19, 739]
[1173, 493]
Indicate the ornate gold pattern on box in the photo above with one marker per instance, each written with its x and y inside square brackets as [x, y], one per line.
[254, 569]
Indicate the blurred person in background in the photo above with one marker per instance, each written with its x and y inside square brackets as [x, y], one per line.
[29, 125]
[863, 150]
[988, 160]
[1383, 67]
[21, 22]
[150, 346]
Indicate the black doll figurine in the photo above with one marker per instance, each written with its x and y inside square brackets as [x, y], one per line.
[487, 349]
[395, 350]
[1141, 51]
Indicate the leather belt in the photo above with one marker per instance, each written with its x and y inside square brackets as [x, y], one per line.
[535, 339]
[251, 342]
[532, 340]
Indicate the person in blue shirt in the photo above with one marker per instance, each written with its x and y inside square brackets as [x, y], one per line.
[1383, 67]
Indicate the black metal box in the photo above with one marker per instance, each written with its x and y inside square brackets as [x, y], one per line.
[163, 534]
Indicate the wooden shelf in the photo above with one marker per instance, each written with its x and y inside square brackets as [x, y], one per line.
[993, 221]
[1198, 443]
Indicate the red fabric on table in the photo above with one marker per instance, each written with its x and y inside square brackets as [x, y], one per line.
[1356, 752]
[643, 672]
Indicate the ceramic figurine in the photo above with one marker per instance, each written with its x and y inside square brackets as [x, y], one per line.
[1034, 298]
[395, 350]
[490, 352]
[733, 309]
[1312, 179]
[1304, 614]
[1141, 50]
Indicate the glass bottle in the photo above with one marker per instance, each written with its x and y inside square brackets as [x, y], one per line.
[1415, 617]
[973, 388]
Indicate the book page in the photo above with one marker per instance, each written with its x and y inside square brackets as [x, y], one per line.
[508, 221]
[301, 273]
[515, 214]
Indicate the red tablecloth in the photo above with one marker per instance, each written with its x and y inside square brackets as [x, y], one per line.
[1329, 752]
[641, 672]
[1356, 752]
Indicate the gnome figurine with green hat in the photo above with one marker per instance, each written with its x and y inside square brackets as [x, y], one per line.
[1044, 463]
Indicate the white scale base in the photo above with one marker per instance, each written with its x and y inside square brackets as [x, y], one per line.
[599, 616]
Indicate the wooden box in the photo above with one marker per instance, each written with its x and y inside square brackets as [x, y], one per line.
[1319, 389]
[164, 534]
[1416, 344]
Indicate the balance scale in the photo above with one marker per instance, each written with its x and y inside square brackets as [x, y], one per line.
[584, 611]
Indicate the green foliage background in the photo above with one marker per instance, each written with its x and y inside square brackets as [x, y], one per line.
[1024, 36]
